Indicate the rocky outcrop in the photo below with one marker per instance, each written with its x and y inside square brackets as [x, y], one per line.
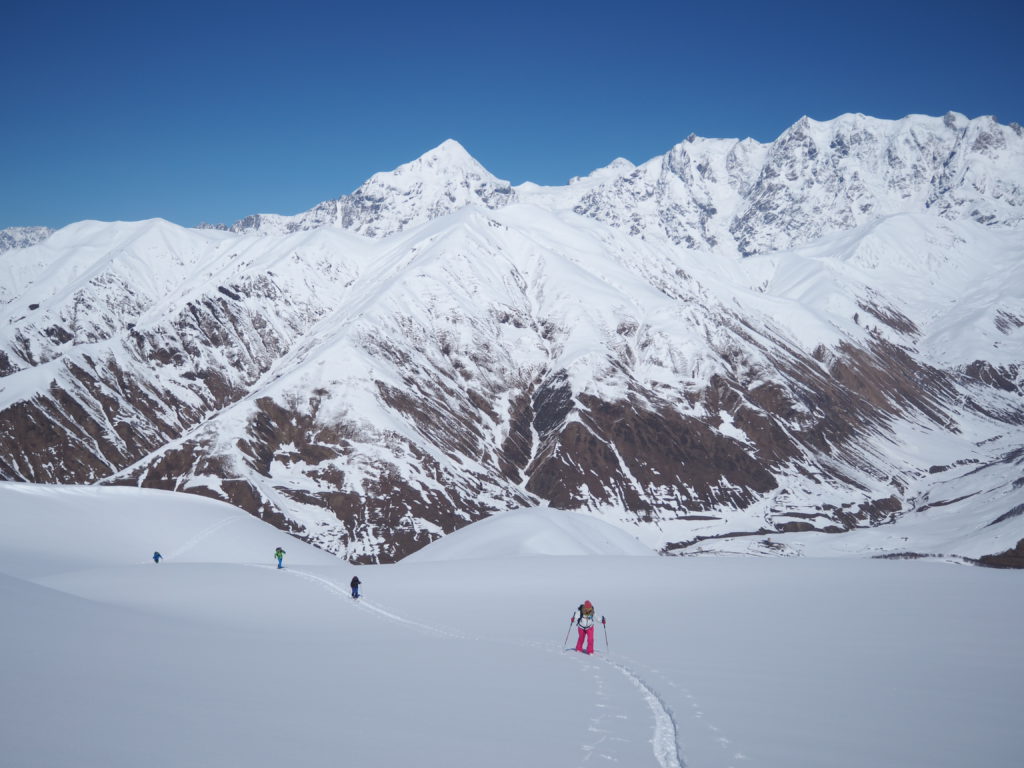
[22, 237]
[816, 178]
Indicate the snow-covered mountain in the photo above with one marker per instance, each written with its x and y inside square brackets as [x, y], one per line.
[732, 345]
[440, 182]
[725, 195]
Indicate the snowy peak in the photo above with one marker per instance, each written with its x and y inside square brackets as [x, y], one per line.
[437, 183]
[818, 177]
[730, 196]
[447, 160]
[448, 166]
[620, 166]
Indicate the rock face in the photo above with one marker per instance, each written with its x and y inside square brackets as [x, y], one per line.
[22, 237]
[733, 346]
[815, 179]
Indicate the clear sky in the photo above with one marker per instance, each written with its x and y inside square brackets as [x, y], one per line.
[212, 111]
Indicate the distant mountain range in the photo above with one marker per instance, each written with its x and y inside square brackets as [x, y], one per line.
[22, 237]
[732, 347]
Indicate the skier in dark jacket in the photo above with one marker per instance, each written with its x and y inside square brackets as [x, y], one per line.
[355, 586]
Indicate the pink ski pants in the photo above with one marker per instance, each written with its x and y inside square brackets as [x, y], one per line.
[587, 633]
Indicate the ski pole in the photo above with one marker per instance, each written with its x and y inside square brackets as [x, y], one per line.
[605, 626]
[568, 630]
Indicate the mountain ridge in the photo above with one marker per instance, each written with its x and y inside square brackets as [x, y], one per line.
[684, 182]
[720, 345]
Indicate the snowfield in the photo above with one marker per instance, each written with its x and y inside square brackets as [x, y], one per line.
[455, 657]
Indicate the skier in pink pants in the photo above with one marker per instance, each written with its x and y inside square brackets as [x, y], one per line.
[585, 626]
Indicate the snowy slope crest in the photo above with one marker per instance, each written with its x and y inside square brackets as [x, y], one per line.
[530, 532]
[116, 527]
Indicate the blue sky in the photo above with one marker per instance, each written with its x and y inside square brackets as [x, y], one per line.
[212, 111]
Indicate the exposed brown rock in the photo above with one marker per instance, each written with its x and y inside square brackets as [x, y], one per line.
[1011, 558]
[1005, 378]
[624, 453]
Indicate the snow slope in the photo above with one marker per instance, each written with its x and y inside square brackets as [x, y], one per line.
[536, 531]
[214, 657]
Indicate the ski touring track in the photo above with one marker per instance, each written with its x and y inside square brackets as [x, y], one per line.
[665, 741]
[208, 531]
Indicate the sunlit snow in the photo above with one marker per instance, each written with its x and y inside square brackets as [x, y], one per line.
[215, 657]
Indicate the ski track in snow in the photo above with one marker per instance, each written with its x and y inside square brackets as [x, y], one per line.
[208, 531]
[731, 755]
[665, 741]
[361, 603]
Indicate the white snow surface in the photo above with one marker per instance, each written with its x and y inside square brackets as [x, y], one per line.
[215, 657]
[532, 531]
